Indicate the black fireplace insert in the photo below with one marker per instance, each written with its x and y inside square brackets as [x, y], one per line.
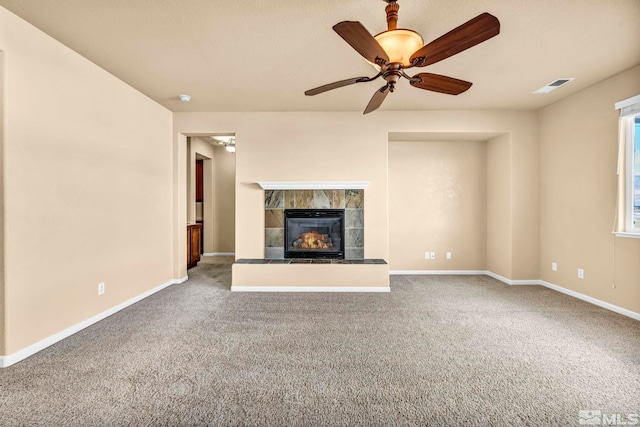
[314, 233]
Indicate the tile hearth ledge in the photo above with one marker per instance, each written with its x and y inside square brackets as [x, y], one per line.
[313, 185]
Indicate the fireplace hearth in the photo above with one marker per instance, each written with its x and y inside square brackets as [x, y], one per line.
[314, 233]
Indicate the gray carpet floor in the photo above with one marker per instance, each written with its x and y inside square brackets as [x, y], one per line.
[437, 350]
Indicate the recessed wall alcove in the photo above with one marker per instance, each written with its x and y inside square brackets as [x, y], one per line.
[459, 204]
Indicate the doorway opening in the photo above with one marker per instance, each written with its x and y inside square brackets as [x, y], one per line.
[211, 193]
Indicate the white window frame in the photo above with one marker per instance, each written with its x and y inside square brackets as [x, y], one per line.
[629, 110]
[630, 172]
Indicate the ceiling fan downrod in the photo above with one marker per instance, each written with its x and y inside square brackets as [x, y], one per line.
[392, 14]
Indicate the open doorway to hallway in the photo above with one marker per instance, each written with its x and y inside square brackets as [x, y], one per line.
[211, 195]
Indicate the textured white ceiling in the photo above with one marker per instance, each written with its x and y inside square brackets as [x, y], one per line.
[253, 55]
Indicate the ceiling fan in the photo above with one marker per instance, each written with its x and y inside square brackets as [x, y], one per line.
[397, 49]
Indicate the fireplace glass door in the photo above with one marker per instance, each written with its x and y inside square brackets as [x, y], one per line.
[314, 233]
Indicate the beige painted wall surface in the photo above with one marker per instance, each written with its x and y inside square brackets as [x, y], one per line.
[578, 156]
[180, 181]
[88, 187]
[525, 202]
[499, 207]
[311, 275]
[437, 203]
[2, 157]
[347, 146]
[224, 187]
[298, 146]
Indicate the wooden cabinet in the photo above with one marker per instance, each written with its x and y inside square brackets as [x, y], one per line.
[194, 231]
[199, 180]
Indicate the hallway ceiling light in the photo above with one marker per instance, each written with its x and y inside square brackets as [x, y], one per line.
[224, 139]
[229, 142]
[184, 98]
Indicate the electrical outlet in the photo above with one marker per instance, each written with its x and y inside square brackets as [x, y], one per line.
[554, 266]
[427, 255]
[100, 288]
[448, 255]
[433, 255]
[580, 273]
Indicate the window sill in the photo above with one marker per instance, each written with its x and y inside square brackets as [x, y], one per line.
[627, 235]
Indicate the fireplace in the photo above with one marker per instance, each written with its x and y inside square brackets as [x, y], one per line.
[314, 233]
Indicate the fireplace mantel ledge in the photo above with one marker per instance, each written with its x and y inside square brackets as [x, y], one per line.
[313, 185]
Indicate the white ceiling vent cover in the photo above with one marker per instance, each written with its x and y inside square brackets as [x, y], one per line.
[554, 85]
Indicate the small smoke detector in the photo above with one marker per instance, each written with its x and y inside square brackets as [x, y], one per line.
[184, 98]
[554, 85]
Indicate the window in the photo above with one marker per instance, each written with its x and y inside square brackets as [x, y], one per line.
[628, 213]
[633, 173]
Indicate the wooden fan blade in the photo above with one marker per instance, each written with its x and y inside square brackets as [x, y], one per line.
[335, 85]
[438, 83]
[361, 40]
[376, 99]
[467, 35]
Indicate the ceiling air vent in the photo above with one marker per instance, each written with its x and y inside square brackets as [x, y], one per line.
[554, 85]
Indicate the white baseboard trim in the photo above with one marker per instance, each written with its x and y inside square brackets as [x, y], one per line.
[16, 357]
[176, 282]
[594, 301]
[220, 254]
[438, 272]
[310, 289]
[512, 282]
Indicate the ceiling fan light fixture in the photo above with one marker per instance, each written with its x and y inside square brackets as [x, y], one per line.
[397, 49]
[400, 44]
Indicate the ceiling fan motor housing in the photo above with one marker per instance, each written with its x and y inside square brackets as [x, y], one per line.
[392, 74]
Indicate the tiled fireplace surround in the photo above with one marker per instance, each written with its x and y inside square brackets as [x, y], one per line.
[276, 201]
[271, 274]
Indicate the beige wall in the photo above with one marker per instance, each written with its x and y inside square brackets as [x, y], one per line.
[525, 202]
[437, 203]
[499, 208]
[298, 146]
[346, 146]
[179, 187]
[578, 160]
[87, 190]
[3, 331]
[224, 191]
